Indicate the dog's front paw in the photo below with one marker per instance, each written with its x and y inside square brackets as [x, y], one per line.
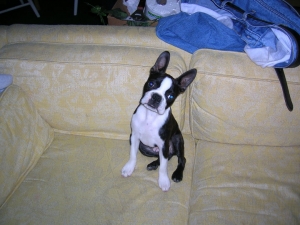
[128, 168]
[177, 175]
[164, 183]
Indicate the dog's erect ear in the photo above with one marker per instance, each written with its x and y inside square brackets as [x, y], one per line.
[161, 63]
[186, 79]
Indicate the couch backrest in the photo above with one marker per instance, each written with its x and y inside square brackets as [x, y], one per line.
[234, 101]
[87, 79]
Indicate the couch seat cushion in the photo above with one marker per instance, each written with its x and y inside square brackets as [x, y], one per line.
[78, 181]
[242, 184]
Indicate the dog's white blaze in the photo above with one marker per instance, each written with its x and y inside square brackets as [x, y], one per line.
[165, 85]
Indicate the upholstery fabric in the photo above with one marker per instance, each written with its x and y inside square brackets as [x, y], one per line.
[24, 136]
[244, 184]
[95, 35]
[238, 104]
[86, 171]
[90, 86]
[65, 126]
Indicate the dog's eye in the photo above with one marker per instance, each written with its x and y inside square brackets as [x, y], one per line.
[151, 84]
[171, 97]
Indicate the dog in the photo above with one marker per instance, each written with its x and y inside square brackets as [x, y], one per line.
[154, 130]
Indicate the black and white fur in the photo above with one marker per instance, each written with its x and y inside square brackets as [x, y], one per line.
[154, 130]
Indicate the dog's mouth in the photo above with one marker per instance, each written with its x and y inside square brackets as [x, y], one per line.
[154, 104]
[151, 107]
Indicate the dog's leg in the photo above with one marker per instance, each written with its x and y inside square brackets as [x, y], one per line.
[154, 165]
[163, 179]
[178, 173]
[178, 144]
[130, 165]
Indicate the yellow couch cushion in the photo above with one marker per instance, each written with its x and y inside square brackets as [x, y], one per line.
[86, 89]
[24, 136]
[238, 104]
[78, 181]
[242, 184]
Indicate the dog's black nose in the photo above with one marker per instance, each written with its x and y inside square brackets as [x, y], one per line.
[156, 98]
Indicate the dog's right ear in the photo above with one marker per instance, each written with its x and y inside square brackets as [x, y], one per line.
[161, 63]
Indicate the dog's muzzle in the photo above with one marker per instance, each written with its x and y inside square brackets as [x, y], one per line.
[155, 100]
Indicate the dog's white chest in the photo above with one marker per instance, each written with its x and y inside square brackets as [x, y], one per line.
[146, 124]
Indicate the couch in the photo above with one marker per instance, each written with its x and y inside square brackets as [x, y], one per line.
[65, 126]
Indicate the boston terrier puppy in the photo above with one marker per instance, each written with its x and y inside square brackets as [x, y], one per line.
[154, 130]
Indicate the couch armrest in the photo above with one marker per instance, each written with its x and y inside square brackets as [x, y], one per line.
[24, 136]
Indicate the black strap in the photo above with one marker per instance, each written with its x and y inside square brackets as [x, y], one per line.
[285, 89]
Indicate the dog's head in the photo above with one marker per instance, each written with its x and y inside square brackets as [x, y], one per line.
[161, 89]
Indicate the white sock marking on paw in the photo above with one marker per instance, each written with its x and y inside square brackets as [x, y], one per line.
[164, 182]
[128, 168]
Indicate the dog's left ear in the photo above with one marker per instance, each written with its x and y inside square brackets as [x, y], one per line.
[161, 63]
[186, 79]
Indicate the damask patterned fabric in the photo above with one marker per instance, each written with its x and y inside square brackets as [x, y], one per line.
[65, 129]
[24, 136]
[248, 154]
[93, 88]
[86, 172]
[244, 184]
[244, 104]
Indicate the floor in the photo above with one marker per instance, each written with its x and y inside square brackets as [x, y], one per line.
[53, 12]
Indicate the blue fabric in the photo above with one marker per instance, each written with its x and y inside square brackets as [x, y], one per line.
[275, 11]
[197, 31]
[258, 33]
[5, 81]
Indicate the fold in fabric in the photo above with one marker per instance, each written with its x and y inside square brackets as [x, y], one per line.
[269, 56]
[228, 29]
[198, 31]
